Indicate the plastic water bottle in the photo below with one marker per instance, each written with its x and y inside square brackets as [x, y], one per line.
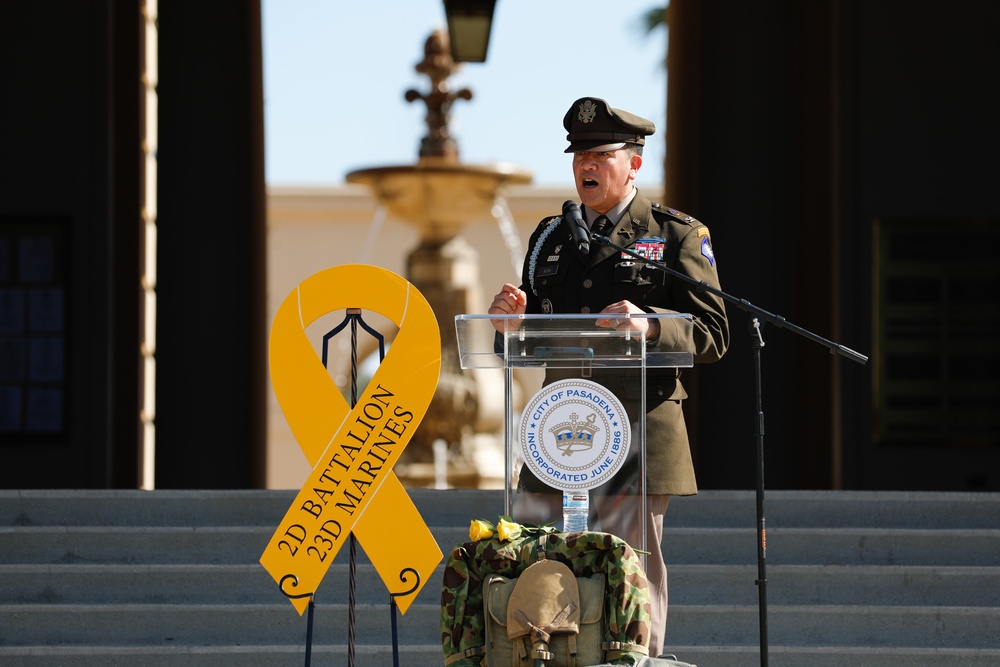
[576, 508]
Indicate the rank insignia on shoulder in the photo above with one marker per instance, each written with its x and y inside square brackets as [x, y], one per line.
[706, 250]
[650, 247]
[680, 215]
[702, 231]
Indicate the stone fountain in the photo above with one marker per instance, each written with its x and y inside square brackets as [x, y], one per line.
[439, 195]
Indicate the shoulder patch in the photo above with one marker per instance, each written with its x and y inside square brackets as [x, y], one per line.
[707, 251]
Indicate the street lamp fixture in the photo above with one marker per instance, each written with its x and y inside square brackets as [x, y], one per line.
[469, 25]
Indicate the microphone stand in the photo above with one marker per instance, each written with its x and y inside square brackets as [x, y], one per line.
[757, 343]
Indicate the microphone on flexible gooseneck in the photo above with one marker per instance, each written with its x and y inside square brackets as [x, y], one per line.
[573, 217]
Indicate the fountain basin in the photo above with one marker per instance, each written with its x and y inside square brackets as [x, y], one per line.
[439, 196]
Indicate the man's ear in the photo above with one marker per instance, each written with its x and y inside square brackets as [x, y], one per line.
[634, 163]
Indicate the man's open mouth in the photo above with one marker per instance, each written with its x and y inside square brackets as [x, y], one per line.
[589, 183]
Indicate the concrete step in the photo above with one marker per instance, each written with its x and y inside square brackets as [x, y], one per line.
[215, 625]
[171, 578]
[838, 509]
[707, 625]
[456, 507]
[335, 655]
[195, 508]
[835, 656]
[711, 546]
[833, 546]
[689, 585]
[813, 585]
[836, 625]
[183, 584]
[323, 655]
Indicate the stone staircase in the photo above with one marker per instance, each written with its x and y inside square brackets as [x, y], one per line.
[171, 578]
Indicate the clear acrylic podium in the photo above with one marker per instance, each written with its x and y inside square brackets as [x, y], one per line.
[574, 352]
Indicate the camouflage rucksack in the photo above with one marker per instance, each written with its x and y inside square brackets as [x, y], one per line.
[603, 565]
[544, 614]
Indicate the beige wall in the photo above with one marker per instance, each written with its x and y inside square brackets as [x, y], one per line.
[312, 228]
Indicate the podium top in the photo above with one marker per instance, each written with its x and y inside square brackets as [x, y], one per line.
[561, 341]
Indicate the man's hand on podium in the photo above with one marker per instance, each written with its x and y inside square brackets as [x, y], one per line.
[510, 301]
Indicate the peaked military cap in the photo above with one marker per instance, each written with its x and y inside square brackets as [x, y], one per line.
[594, 126]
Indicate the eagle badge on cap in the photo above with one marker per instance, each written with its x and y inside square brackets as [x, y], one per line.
[588, 110]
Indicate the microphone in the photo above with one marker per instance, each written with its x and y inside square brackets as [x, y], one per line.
[573, 217]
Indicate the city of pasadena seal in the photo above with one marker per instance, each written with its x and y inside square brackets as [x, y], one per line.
[574, 435]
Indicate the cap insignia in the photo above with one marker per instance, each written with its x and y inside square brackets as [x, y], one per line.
[588, 110]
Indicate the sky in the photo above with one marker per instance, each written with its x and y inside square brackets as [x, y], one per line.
[335, 75]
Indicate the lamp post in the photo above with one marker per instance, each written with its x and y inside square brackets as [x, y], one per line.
[469, 25]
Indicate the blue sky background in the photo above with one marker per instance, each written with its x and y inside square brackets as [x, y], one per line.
[335, 74]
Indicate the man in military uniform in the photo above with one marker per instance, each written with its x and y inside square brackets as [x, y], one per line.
[606, 144]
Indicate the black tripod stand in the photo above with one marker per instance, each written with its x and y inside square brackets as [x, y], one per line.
[757, 344]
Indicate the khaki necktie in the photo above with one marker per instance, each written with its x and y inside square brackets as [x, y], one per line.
[601, 226]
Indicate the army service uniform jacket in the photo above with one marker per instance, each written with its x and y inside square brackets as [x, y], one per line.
[559, 279]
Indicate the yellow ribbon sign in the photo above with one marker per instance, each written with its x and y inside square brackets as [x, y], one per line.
[352, 487]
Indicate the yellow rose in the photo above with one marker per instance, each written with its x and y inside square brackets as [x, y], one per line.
[508, 530]
[480, 530]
